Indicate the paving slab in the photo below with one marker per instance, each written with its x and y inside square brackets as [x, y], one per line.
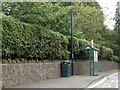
[64, 82]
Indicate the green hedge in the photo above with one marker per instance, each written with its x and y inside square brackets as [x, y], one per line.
[75, 44]
[107, 53]
[104, 52]
[21, 40]
[115, 58]
[83, 43]
[79, 45]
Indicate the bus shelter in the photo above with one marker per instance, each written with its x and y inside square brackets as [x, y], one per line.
[93, 58]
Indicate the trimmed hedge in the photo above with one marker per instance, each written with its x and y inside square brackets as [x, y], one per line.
[107, 53]
[104, 52]
[21, 40]
[115, 58]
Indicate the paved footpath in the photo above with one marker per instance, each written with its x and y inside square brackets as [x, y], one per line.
[68, 82]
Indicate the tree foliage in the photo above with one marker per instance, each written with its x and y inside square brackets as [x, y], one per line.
[88, 20]
[42, 30]
[51, 16]
[117, 17]
[116, 46]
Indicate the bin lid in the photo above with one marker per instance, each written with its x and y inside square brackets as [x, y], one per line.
[66, 61]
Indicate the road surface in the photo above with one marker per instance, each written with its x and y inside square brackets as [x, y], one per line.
[110, 81]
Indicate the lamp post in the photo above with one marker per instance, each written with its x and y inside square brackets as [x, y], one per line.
[71, 29]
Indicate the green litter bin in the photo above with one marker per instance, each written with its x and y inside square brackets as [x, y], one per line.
[65, 69]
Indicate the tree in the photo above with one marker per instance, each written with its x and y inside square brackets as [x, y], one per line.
[117, 29]
[88, 20]
[93, 4]
[53, 16]
[117, 17]
[117, 24]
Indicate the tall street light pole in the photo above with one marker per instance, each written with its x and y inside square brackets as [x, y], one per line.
[71, 29]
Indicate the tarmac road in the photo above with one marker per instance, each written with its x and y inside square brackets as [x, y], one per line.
[110, 81]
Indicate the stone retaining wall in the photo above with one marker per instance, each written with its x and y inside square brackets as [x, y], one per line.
[82, 67]
[18, 74]
[105, 65]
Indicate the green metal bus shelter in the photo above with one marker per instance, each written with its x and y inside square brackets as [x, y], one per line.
[93, 58]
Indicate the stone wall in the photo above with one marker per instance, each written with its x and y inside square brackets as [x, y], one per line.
[18, 74]
[82, 67]
[105, 65]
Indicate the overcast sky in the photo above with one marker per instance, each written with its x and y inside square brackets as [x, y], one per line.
[109, 8]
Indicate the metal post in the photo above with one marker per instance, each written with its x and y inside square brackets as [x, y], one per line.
[90, 62]
[71, 29]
